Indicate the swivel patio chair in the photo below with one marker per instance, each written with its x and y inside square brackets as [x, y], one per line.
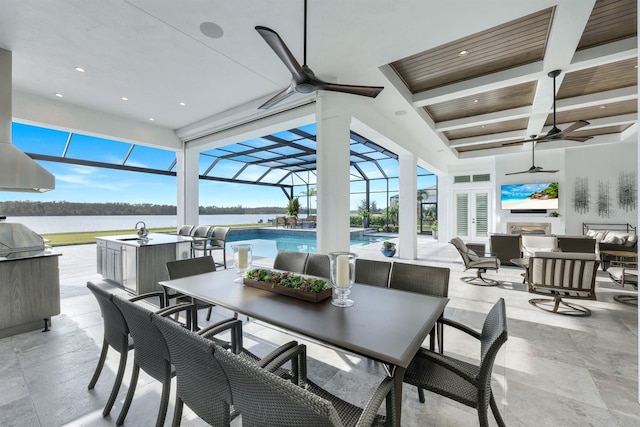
[265, 399]
[317, 265]
[151, 352]
[201, 383]
[472, 261]
[185, 268]
[370, 272]
[291, 261]
[560, 275]
[461, 381]
[116, 335]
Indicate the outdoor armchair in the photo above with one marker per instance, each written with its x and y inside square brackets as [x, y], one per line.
[201, 383]
[560, 275]
[265, 399]
[471, 260]
[464, 382]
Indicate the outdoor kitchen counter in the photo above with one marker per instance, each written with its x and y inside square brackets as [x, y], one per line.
[29, 291]
[139, 264]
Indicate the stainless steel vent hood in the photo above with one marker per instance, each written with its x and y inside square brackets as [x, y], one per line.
[18, 172]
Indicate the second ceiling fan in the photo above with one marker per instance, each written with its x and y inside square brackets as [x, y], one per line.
[303, 80]
[555, 134]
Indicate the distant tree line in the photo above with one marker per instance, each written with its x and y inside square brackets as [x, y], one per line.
[29, 208]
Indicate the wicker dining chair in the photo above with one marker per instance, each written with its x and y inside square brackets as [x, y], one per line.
[291, 261]
[201, 383]
[462, 381]
[185, 268]
[265, 399]
[423, 279]
[371, 272]
[317, 265]
[151, 353]
[116, 335]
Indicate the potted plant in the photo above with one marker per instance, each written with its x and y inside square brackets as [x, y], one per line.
[293, 207]
[388, 248]
[365, 218]
[434, 229]
[554, 214]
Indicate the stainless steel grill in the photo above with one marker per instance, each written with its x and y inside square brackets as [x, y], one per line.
[16, 238]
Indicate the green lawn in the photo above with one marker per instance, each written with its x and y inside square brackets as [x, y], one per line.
[81, 238]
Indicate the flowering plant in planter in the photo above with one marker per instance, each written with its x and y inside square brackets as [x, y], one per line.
[288, 280]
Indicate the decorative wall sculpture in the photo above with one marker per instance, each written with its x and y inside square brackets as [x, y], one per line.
[627, 191]
[603, 200]
[581, 195]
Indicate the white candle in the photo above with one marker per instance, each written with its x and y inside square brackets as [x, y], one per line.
[342, 271]
[243, 257]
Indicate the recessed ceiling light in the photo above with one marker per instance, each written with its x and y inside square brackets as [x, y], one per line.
[124, 98]
[211, 29]
[400, 113]
[79, 69]
[182, 104]
[59, 95]
[475, 101]
[482, 126]
[151, 119]
[463, 52]
[602, 107]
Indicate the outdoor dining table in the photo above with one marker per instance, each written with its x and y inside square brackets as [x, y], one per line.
[384, 324]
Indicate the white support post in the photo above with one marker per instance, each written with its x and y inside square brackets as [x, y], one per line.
[187, 182]
[333, 139]
[407, 213]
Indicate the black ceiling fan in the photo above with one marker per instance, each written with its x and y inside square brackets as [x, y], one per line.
[533, 168]
[556, 134]
[303, 80]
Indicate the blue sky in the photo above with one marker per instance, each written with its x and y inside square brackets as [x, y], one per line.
[77, 183]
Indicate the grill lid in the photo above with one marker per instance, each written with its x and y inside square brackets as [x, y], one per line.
[15, 237]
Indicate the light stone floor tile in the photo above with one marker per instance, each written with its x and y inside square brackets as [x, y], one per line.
[554, 370]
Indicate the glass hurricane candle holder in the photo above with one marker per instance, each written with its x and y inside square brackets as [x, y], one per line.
[242, 257]
[342, 268]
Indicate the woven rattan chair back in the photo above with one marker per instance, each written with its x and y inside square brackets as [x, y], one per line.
[423, 279]
[116, 335]
[151, 354]
[201, 382]
[372, 272]
[291, 261]
[190, 267]
[492, 337]
[266, 400]
[317, 265]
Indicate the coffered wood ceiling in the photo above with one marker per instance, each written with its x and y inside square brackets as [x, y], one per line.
[511, 60]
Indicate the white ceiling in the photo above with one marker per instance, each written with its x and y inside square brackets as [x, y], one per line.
[152, 52]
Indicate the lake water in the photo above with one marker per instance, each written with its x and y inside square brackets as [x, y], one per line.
[63, 224]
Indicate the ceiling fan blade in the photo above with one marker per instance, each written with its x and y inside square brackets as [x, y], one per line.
[578, 138]
[280, 48]
[574, 127]
[280, 96]
[544, 171]
[516, 173]
[370, 91]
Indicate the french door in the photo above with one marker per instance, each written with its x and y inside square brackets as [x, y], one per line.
[472, 208]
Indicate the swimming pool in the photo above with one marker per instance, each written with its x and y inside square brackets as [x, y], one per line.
[267, 242]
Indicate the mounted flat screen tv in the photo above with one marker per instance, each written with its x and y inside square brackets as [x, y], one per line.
[529, 197]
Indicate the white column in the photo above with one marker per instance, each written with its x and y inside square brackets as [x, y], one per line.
[407, 214]
[187, 181]
[333, 174]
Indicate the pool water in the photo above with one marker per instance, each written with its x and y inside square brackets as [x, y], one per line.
[268, 247]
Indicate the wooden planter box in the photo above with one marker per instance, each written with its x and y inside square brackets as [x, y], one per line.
[290, 292]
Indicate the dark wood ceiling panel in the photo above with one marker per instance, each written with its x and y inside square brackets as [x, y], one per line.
[602, 131]
[469, 148]
[610, 20]
[487, 102]
[514, 43]
[611, 76]
[610, 110]
[499, 127]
